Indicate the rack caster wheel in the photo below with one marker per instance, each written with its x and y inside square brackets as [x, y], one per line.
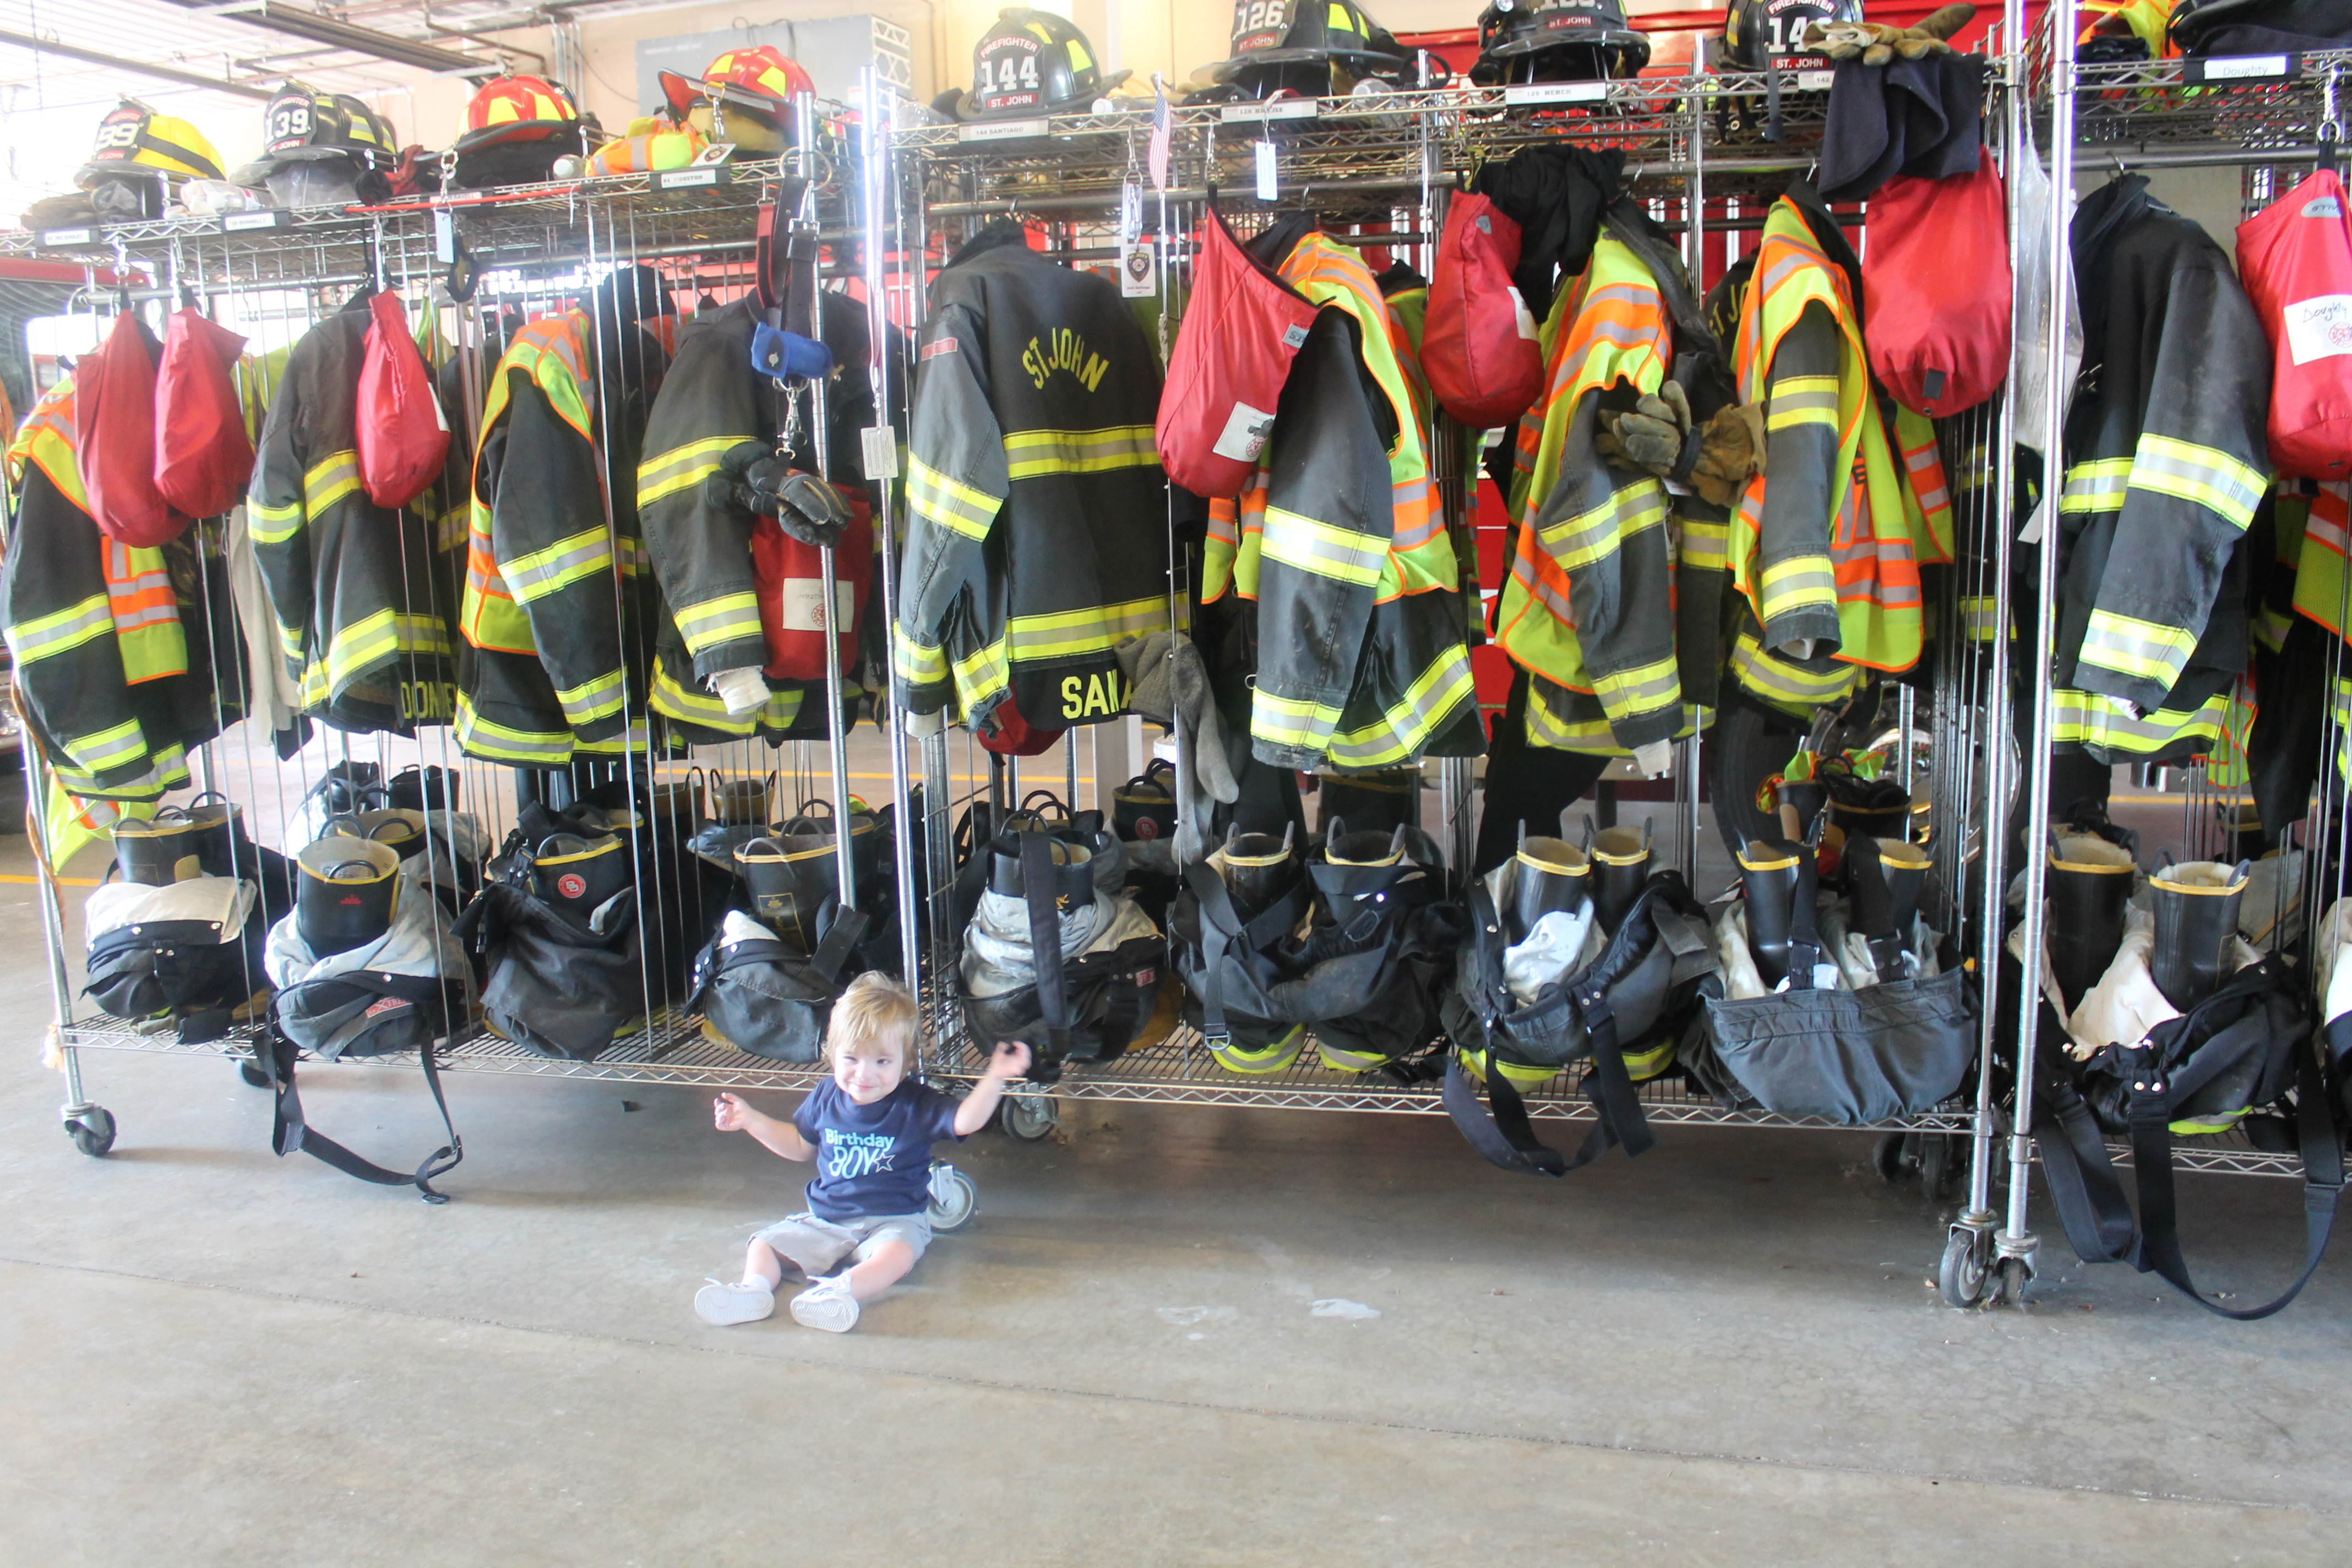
[92, 1131]
[1886, 1159]
[1028, 1117]
[251, 1071]
[1961, 1279]
[953, 1197]
[1935, 1164]
[2009, 1282]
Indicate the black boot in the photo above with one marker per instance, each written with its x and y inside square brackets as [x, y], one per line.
[789, 878]
[1806, 801]
[158, 853]
[2090, 883]
[1260, 868]
[1620, 868]
[1884, 878]
[1552, 875]
[2196, 916]
[578, 874]
[217, 830]
[402, 831]
[344, 898]
[1769, 867]
[1371, 847]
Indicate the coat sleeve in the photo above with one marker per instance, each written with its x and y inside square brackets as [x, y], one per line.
[277, 517]
[1796, 586]
[556, 556]
[60, 627]
[957, 481]
[2200, 470]
[1606, 530]
[1329, 518]
[701, 546]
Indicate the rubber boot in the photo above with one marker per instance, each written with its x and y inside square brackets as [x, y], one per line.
[404, 831]
[156, 854]
[1551, 876]
[2196, 916]
[217, 830]
[1621, 868]
[2243, 827]
[577, 873]
[789, 878]
[1769, 870]
[2090, 883]
[1884, 878]
[343, 900]
[1074, 875]
[1373, 847]
[1260, 870]
[415, 788]
[1800, 805]
[740, 800]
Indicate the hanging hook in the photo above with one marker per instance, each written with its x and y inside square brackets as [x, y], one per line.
[2331, 125]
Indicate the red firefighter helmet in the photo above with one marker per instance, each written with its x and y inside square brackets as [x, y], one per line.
[752, 88]
[518, 109]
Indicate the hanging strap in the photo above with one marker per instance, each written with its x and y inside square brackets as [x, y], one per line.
[1804, 929]
[1045, 939]
[1223, 930]
[290, 1131]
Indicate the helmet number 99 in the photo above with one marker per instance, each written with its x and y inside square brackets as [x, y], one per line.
[289, 121]
[113, 134]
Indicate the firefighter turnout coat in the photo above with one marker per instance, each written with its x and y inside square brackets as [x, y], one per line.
[1362, 658]
[2167, 460]
[364, 597]
[1037, 542]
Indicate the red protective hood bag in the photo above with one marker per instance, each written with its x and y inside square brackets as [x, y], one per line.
[1935, 290]
[2294, 257]
[789, 579]
[403, 438]
[114, 399]
[1479, 347]
[1241, 330]
[203, 455]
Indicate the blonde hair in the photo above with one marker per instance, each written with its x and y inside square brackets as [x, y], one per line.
[873, 1007]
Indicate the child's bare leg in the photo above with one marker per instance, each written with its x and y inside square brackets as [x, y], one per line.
[762, 1261]
[878, 1273]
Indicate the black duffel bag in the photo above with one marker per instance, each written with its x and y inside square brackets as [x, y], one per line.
[1629, 1003]
[561, 983]
[2260, 27]
[767, 998]
[2249, 1046]
[1898, 1049]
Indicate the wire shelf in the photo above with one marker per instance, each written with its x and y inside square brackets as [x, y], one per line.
[2158, 105]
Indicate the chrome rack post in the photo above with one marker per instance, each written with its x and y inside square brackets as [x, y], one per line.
[1686, 752]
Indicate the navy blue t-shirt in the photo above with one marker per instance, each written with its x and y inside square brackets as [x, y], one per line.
[875, 1159]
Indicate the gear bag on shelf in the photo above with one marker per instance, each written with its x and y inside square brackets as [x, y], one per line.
[186, 955]
[1621, 1009]
[1057, 954]
[770, 997]
[557, 927]
[2248, 1045]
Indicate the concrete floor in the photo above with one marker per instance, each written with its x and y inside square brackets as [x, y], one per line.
[1727, 1353]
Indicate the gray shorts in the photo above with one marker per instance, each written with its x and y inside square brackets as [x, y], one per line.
[816, 1246]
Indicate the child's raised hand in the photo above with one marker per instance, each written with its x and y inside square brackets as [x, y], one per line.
[1009, 1060]
[730, 1113]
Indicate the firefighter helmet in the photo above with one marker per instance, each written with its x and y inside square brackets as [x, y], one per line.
[518, 109]
[1305, 45]
[301, 124]
[1556, 40]
[752, 88]
[133, 137]
[1030, 63]
[1760, 32]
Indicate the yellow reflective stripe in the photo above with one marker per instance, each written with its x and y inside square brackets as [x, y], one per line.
[366, 643]
[1706, 545]
[1777, 680]
[329, 480]
[1427, 704]
[1069, 631]
[919, 664]
[1290, 720]
[1028, 453]
[699, 708]
[61, 631]
[731, 617]
[1979, 617]
[1322, 549]
[109, 747]
[591, 700]
[2148, 649]
[941, 500]
[980, 676]
[1596, 534]
[480, 737]
[2094, 719]
[681, 467]
[2211, 478]
[1802, 400]
[272, 524]
[1640, 691]
[1794, 583]
[2096, 486]
[544, 571]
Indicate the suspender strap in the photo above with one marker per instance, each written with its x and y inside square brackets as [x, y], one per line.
[291, 1131]
[1045, 939]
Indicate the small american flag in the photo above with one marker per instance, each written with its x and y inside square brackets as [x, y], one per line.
[1161, 126]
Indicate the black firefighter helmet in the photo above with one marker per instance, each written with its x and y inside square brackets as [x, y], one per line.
[1311, 47]
[1556, 40]
[1756, 32]
[1027, 64]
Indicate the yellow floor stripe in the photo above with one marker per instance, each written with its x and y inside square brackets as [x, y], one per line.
[62, 881]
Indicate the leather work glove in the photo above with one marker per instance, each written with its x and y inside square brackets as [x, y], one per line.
[1878, 43]
[1657, 436]
[753, 478]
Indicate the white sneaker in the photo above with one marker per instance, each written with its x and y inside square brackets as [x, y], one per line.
[826, 1305]
[720, 1304]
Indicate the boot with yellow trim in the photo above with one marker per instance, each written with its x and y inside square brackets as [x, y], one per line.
[2195, 919]
[578, 875]
[1550, 875]
[344, 898]
[789, 877]
[1768, 870]
[1358, 869]
[1884, 878]
[1259, 870]
[2089, 883]
[1620, 869]
[159, 851]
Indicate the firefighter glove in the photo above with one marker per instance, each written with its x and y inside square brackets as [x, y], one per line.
[1878, 43]
[752, 478]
